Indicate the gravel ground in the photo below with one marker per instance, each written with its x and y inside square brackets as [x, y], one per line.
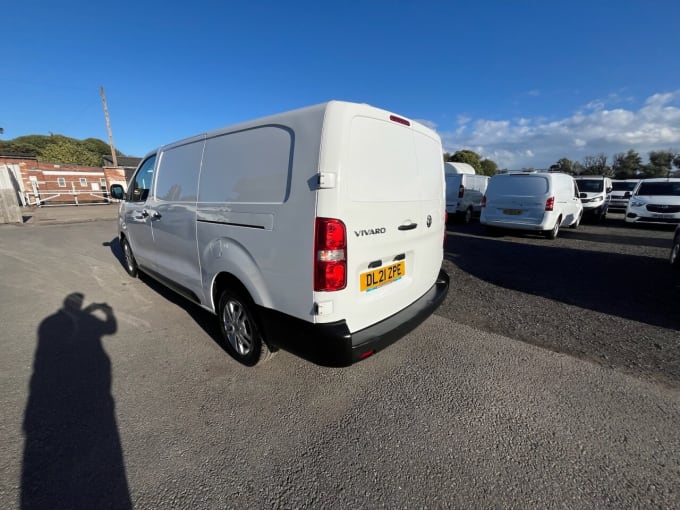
[604, 292]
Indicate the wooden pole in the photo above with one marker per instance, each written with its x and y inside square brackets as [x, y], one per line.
[108, 128]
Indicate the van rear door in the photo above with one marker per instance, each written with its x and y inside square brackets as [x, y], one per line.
[390, 196]
[517, 198]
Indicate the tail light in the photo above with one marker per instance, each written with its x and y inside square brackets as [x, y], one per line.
[330, 255]
[484, 201]
[550, 204]
[461, 191]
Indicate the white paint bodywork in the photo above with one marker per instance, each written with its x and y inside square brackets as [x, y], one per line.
[243, 200]
[518, 200]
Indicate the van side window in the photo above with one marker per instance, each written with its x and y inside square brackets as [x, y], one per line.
[178, 167]
[141, 182]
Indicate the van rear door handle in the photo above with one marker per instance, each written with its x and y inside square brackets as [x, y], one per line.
[408, 227]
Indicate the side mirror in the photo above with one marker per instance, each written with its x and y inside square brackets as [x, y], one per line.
[117, 192]
[609, 190]
[583, 195]
[627, 194]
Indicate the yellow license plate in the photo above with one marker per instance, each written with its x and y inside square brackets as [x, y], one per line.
[378, 277]
[512, 212]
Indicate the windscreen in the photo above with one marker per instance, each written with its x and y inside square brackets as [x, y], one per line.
[590, 185]
[660, 188]
[518, 185]
[622, 186]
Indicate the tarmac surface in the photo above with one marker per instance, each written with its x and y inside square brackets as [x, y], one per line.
[117, 392]
[54, 215]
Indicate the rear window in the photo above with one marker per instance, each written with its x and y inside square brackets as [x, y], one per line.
[659, 188]
[518, 185]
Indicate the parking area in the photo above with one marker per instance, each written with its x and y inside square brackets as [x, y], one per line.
[605, 292]
[549, 378]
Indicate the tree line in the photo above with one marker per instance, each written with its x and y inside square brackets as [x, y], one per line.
[624, 165]
[58, 149]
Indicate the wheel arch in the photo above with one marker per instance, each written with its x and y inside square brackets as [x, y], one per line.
[225, 262]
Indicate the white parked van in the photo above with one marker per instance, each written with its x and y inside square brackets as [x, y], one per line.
[318, 230]
[621, 191]
[464, 191]
[595, 193]
[536, 201]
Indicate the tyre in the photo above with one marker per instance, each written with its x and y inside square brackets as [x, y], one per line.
[240, 329]
[675, 253]
[602, 216]
[129, 259]
[552, 234]
[467, 217]
[577, 222]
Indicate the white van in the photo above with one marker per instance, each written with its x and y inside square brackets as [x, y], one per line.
[319, 230]
[595, 194]
[621, 191]
[464, 191]
[536, 201]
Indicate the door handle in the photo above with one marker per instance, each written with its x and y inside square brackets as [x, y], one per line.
[408, 227]
[154, 214]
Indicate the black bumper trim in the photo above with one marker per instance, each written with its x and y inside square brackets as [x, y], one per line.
[332, 344]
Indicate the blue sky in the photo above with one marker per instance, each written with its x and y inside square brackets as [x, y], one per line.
[521, 82]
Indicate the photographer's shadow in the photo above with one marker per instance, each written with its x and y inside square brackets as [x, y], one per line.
[72, 452]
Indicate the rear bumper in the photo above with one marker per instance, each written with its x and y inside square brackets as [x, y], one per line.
[518, 225]
[333, 344]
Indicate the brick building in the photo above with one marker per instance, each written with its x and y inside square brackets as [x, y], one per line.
[44, 183]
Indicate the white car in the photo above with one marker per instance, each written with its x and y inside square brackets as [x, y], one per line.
[655, 201]
[536, 201]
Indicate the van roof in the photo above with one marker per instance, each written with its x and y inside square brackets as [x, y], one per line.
[454, 167]
[318, 109]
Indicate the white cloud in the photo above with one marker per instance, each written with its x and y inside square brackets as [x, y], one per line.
[595, 128]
